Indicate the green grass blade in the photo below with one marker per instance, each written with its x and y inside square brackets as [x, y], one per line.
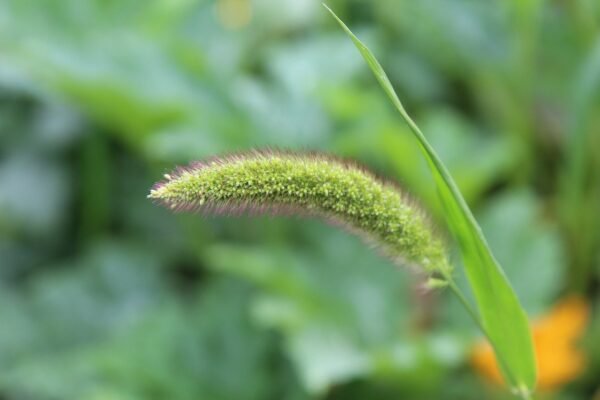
[501, 316]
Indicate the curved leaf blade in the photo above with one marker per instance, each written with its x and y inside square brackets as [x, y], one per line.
[502, 316]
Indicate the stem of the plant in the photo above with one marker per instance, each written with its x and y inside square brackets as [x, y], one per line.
[459, 294]
[525, 395]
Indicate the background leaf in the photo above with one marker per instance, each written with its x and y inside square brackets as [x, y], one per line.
[105, 296]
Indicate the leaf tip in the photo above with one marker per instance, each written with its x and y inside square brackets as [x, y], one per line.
[334, 15]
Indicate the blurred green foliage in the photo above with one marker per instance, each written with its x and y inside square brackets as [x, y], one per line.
[105, 296]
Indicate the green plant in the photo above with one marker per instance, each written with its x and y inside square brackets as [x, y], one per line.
[293, 182]
[500, 316]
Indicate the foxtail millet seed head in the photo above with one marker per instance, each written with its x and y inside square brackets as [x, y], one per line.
[260, 182]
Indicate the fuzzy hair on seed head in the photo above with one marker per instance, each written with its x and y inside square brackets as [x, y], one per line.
[287, 183]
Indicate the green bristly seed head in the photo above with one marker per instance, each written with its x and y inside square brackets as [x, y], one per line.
[273, 182]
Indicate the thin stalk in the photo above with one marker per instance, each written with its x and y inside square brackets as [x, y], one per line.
[459, 294]
[525, 395]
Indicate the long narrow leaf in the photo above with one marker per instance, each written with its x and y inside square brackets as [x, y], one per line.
[501, 315]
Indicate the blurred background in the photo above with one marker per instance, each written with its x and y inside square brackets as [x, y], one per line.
[104, 295]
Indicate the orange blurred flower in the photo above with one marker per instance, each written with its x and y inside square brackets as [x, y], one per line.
[555, 337]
